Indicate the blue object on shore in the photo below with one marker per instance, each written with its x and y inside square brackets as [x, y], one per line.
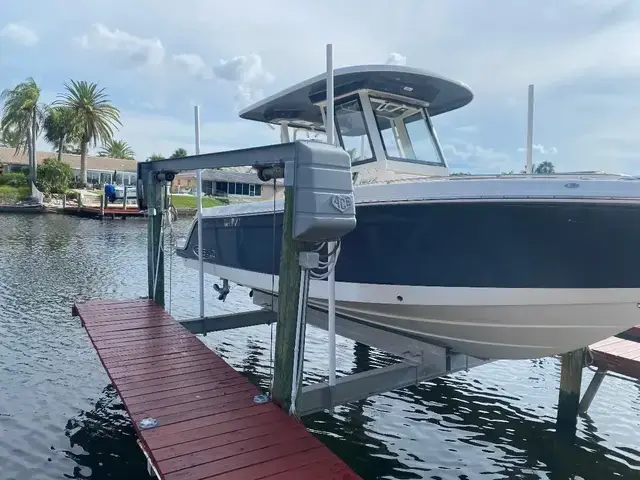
[110, 192]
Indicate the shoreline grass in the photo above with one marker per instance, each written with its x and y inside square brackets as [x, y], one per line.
[188, 201]
[10, 195]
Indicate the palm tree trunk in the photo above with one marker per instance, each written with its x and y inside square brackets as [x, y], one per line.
[30, 153]
[33, 146]
[83, 161]
[60, 149]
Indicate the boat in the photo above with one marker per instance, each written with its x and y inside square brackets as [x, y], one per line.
[492, 266]
[131, 192]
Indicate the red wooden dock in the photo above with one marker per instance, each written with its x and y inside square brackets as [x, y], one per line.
[109, 212]
[620, 354]
[208, 424]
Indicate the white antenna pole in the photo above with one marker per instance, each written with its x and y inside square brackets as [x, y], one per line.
[529, 169]
[331, 246]
[196, 113]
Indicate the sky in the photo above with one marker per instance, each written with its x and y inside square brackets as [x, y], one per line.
[158, 58]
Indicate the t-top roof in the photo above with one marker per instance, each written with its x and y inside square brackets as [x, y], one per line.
[296, 103]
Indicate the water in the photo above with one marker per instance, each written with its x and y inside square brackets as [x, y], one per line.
[60, 418]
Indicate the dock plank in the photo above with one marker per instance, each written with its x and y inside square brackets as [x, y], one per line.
[620, 354]
[208, 423]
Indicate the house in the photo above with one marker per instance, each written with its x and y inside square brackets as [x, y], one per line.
[184, 182]
[99, 169]
[229, 183]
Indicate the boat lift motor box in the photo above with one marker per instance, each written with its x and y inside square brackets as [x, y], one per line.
[324, 204]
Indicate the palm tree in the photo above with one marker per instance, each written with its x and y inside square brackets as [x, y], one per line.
[545, 167]
[97, 117]
[155, 156]
[61, 129]
[117, 149]
[22, 116]
[9, 139]
[179, 153]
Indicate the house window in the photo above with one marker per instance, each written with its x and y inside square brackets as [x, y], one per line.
[258, 189]
[222, 188]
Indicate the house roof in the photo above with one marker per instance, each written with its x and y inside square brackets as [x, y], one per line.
[9, 156]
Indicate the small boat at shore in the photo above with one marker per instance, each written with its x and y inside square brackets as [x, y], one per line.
[493, 266]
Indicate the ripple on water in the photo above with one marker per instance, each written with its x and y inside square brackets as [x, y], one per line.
[60, 418]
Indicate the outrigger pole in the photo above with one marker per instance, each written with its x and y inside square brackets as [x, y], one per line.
[529, 169]
[331, 246]
[196, 112]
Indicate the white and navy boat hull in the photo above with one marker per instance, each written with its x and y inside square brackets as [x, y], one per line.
[494, 268]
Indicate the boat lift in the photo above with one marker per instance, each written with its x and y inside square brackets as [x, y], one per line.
[419, 360]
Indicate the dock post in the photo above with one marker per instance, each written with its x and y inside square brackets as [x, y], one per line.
[124, 199]
[103, 201]
[64, 201]
[592, 389]
[79, 201]
[288, 297]
[570, 383]
[155, 255]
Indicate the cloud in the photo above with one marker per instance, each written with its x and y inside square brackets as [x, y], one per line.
[19, 34]
[467, 129]
[249, 75]
[578, 53]
[476, 158]
[133, 50]
[194, 65]
[541, 149]
[246, 69]
[396, 59]
[156, 133]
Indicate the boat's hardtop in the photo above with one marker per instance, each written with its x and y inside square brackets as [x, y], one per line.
[299, 102]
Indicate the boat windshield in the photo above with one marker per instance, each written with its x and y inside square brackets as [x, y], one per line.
[407, 133]
[352, 130]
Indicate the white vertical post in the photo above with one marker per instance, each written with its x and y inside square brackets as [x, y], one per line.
[331, 246]
[196, 112]
[529, 169]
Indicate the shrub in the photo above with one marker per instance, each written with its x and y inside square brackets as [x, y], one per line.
[13, 179]
[54, 176]
[12, 194]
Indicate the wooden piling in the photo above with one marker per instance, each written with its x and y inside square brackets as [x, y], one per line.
[124, 199]
[155, 255]
[288, 296]
[570, 383]
[103, 201]
[592, 389]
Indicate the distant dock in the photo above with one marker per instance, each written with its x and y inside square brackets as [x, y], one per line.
[107, 212]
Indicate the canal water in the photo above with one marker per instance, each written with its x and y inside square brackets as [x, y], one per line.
[60, 418]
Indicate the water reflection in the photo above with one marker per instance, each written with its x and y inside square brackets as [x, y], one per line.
[58, 420]
[102, 441]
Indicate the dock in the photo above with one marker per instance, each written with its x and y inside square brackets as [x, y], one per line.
[619, 354]
[107, 212]
[196, 417]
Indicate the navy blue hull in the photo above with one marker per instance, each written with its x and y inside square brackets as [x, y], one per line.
[481, 244]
